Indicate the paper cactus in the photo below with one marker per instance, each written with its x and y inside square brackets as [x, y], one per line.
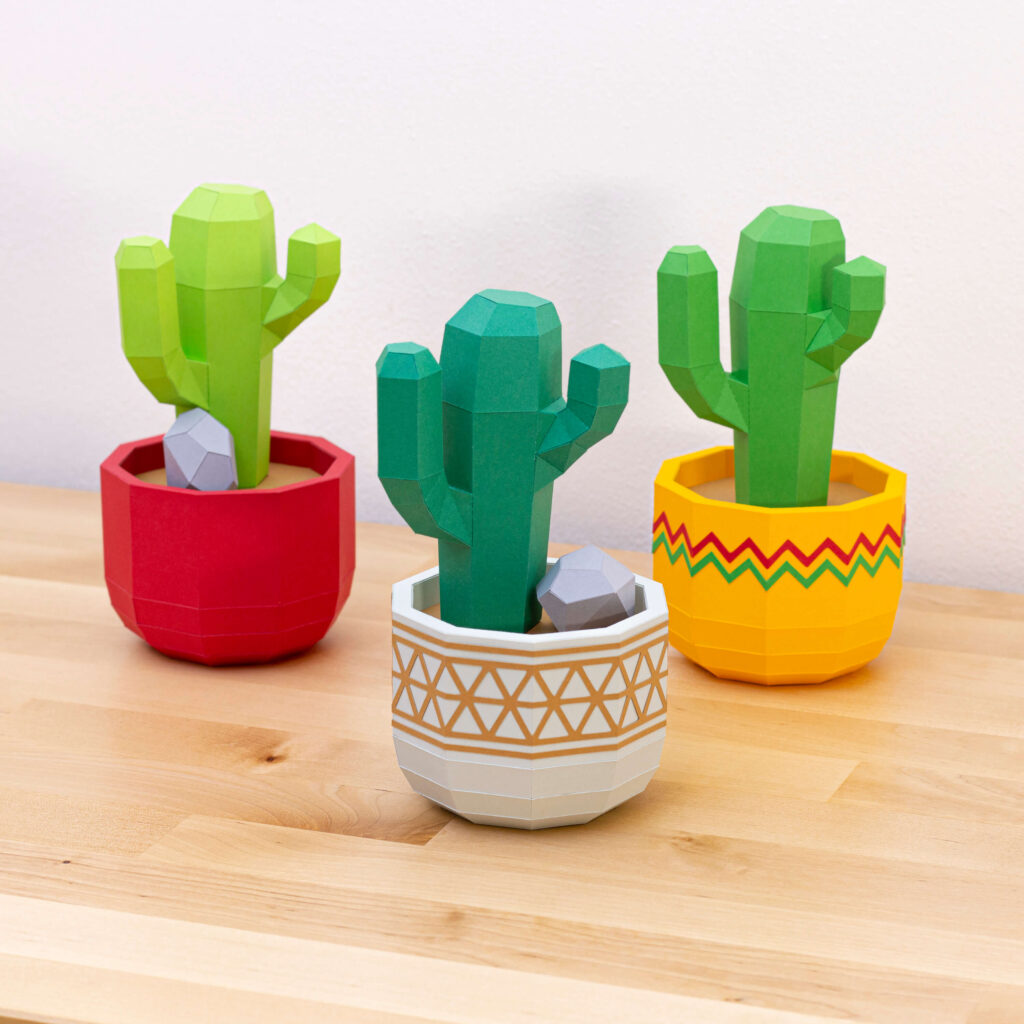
[468, 451]
[200, 320]
[797, 313]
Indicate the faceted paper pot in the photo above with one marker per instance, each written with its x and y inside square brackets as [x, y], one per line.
[527, 730]
[779, 595]
[228, 577]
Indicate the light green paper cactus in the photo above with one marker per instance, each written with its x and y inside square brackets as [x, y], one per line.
[469, 451]
[797, 312]
[200, 320]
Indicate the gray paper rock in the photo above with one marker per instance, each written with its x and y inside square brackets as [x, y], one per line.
[199, 453]
[587, 589]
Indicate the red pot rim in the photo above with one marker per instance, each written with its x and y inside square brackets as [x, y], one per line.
[327, 460]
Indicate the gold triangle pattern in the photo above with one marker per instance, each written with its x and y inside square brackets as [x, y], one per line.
[473, 698]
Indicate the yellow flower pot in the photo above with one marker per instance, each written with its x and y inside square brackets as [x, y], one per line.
[779, 595]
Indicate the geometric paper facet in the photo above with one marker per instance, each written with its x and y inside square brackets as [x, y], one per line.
[199, 453]
[587, 589]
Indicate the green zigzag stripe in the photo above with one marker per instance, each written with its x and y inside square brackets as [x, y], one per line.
[767, 582]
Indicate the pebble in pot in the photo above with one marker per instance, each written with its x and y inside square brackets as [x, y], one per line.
[587, 589]
[199, 453]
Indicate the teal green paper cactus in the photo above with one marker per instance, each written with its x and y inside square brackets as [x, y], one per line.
[468, 451]
[797, 312]
[200, 320]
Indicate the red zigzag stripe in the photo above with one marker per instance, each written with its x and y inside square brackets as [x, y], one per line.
[769, 560]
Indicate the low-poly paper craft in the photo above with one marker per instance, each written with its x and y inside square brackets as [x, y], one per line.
[778, 595]
[587, 589]
[199, 453]
[503, 726]
[200, 320]
[776, 586]
[238, 575]
[468, 451]
[230, 577]
[797, 311]
[527, 730]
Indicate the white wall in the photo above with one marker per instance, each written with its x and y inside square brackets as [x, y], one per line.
[558, 148]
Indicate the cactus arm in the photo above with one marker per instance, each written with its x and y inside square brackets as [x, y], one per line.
[858, 295]
[314, 265]
[598, 390]
[410, 455]
[688, 344]
[148, 303]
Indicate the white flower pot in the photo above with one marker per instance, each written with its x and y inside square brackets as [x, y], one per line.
[527, 730]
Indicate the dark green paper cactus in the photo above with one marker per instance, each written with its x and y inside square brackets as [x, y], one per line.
[468, 451]
[797, 312]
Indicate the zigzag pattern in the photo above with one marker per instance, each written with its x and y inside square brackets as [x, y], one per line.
[767, 561]
[888, 547]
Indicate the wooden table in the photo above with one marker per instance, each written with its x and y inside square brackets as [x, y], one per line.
[188, 844]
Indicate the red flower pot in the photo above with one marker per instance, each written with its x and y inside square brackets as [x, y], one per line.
[228, 577]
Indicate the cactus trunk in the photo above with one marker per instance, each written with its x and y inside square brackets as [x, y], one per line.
[794, 462]
[238, 377]
[783, 458]
[499, 572]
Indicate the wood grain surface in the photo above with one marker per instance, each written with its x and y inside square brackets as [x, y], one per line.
[180, 843]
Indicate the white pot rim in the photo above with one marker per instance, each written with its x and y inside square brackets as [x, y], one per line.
[404, 612]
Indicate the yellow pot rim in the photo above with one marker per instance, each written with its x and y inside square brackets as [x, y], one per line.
[895, 484]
